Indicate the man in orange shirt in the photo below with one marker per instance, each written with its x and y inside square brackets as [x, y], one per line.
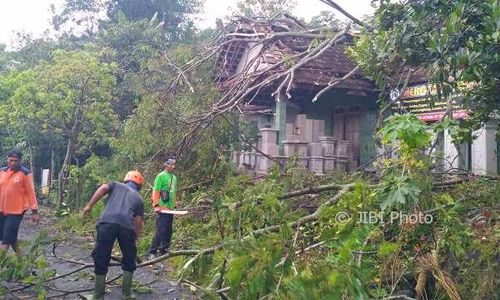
[17, 194]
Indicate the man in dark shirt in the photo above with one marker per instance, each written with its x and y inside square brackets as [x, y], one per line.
[121, 220]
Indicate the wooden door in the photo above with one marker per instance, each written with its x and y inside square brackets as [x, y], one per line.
[346, 127]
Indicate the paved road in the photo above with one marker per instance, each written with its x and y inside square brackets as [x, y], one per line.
[79, 248]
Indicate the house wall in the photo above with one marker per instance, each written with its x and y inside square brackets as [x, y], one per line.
[324, 109]
[266, 121]
[249, 54]
[479, 157]
[485, 150]
[498, 156]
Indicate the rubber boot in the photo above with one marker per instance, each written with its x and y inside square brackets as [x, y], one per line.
[100, 286]
[127, 280]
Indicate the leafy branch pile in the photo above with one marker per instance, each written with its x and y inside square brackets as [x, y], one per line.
[373, 238]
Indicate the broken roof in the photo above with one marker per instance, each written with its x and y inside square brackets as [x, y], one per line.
[282, 40]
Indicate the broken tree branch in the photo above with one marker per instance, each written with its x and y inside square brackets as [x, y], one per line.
[246, 141]
[348, 15]
[312, 190]
[335, 82]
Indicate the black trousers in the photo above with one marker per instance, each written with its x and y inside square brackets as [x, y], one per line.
[9, 228]
[106, 236]
[163, 234]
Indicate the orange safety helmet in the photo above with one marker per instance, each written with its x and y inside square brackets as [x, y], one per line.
[134, 176]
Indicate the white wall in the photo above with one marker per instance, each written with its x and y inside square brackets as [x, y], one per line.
[484, 150]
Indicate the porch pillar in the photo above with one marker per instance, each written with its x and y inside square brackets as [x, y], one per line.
[280, 120]
[269, 147]
[451, 158]
[484, 148]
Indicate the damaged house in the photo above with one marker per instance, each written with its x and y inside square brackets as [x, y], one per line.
[325, 124]
[312, 104]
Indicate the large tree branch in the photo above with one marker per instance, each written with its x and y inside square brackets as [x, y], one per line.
[348, 15]
[334, 82]
[313, 54]
[257, 73]
[312, 190]
[197, 253]
[246, 141]
[392, 101]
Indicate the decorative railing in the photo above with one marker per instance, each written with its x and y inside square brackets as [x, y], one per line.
[306, 143]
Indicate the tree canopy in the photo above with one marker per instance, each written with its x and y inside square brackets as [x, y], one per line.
[455, 42]
[174, 16]
[265, 8]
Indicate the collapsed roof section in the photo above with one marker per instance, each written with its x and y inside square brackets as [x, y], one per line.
[260, 48]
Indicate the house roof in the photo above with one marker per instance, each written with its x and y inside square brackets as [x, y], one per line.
[418, 76]
[333, 63]
[314, 75]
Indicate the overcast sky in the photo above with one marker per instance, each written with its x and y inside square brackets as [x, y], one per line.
[32, 16]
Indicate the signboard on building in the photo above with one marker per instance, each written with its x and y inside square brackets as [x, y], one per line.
[418, 100]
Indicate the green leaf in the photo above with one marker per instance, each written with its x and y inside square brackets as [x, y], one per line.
[386, 249]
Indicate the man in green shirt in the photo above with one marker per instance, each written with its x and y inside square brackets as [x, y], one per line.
[164, 199]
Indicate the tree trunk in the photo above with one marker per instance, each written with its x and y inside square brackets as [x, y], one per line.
[79, 190]
[63, 174]
[70, 150]
[52, 165]
[76, 189]
[32, 162]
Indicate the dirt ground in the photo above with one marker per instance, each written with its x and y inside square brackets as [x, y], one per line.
[155, 278]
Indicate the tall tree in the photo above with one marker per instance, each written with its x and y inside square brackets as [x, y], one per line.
[135, 45]
[265, 8]
[4, 59]
[174, 16]
[456, 42]
[68, 97]
[326, 19]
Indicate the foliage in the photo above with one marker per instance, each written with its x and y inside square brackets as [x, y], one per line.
[31, 268]
[477, 254]
[398, 190]
[358, 253]
[163, 118]
[134, 44]
[455, 42]
[326, 19]
[4, 59]
[265, 8]
[407, 130]
[404, 174]
[30, 51]
[41, 100]
[66, 100]
[174, 17]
